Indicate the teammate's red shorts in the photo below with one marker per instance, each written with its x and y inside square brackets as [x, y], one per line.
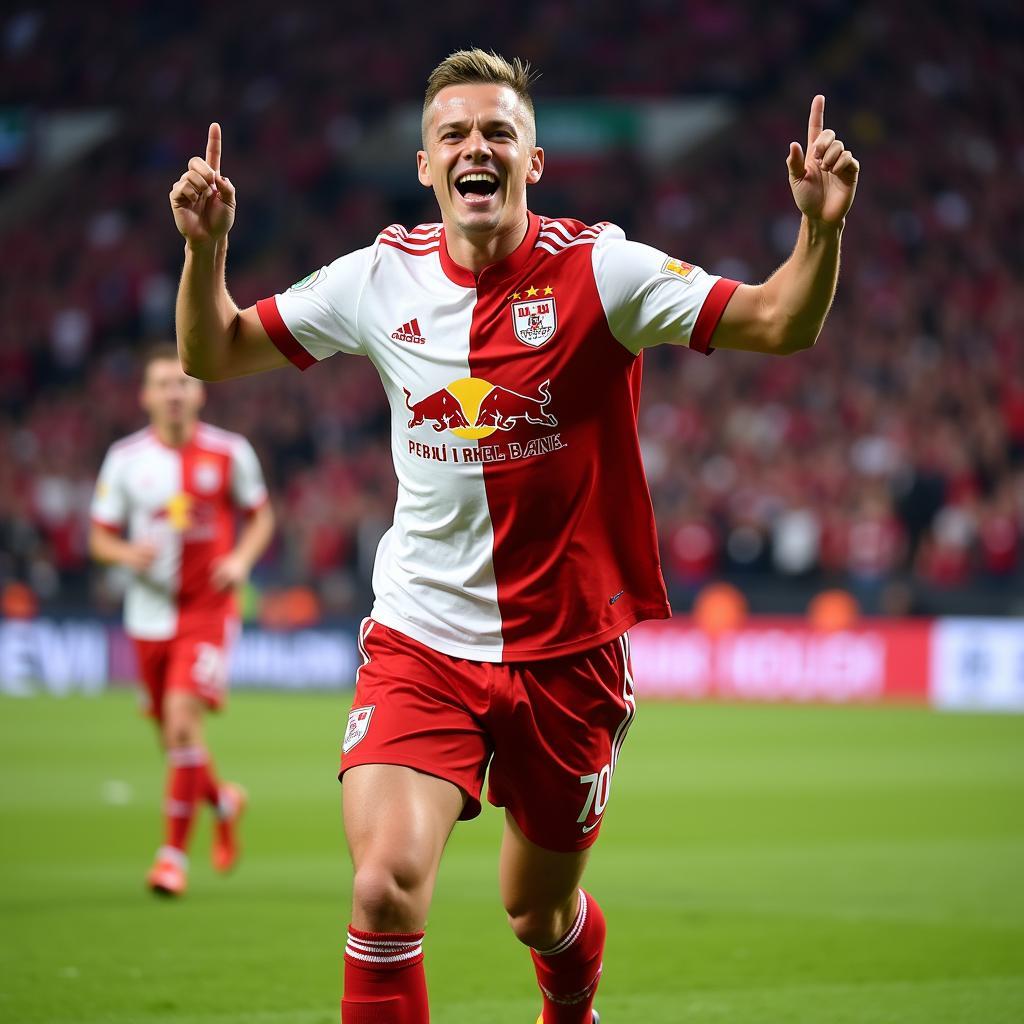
[196, 662]
[552, 730]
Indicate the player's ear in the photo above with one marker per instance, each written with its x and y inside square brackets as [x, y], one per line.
[423, 169]
[536, 166]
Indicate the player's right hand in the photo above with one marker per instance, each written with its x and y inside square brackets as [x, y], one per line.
[202, 200]
[138, 557]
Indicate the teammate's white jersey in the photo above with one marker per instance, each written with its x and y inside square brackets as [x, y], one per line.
[523, 527]
[184, 502]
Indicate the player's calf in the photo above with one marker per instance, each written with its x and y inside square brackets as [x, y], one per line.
[384, 979]
[568, 971]
[540, 927]
[231, 801]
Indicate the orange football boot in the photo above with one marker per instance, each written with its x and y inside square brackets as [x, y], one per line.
[169, 874]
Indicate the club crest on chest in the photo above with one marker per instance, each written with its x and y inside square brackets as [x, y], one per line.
[534, 315]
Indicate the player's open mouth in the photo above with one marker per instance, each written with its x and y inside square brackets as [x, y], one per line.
[477, 186]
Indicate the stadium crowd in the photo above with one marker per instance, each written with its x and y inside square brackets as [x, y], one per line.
[889, 459]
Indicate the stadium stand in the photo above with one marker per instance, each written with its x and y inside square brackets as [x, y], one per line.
[888, 461]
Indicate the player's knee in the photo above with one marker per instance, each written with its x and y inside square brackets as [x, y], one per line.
[180, 731]
[387, 897]
[539, 928]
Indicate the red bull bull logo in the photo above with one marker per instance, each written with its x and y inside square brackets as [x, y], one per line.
[473, 408]
[178, 511]
[194, 519]
[442, 408]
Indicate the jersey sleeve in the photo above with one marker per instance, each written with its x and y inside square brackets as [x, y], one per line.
[109, 502]
[319, 315]
[248, 489]
[651, 298]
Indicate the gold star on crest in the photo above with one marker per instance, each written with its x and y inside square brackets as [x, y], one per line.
[514, 296]
[530, 292]
[548, 290]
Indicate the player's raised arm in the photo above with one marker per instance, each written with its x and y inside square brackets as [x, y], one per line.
[786, 313]
[216, 339]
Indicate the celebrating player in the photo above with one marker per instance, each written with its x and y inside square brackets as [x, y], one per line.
[523, 544]
[176, 487]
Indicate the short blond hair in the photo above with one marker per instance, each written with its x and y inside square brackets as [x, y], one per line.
[480, 67]
[159, 352]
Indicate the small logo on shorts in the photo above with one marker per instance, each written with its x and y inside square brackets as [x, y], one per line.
[615, 597]
[358, 723]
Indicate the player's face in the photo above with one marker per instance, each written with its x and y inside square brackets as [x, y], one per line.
[479, 157]
[170, 396]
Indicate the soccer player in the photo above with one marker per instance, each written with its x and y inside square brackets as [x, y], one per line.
[523, 546]
[176, 488]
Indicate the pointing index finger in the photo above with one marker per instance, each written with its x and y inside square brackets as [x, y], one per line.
[815, 123]
[213, 148]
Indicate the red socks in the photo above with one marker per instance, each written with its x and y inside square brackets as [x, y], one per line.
[190, 778]
[568, 973]
[384, 979]
[385, 982]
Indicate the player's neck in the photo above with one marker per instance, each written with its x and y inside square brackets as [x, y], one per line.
[174, 435]
[474, 252]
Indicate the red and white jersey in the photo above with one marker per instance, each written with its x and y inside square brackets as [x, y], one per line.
[183, 501]
[523, 527]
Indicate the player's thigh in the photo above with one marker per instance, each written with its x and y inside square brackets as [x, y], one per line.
[535, 880]
[556, 752]
[391, 811]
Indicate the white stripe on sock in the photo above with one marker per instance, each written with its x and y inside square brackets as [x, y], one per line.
[187, 757]
[383, 951]
[394, 959]
[382, 945]
[177, 808]
[174, 855]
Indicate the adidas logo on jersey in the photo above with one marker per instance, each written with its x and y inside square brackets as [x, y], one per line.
[410, 331]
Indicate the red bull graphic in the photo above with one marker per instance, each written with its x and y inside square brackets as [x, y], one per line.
[442, 408]
[474, 408]
[501, 408]
[194, 519]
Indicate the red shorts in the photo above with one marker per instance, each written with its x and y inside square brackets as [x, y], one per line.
[194, 663]
[551, 730]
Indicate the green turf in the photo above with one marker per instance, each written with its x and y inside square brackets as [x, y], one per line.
[759, 865]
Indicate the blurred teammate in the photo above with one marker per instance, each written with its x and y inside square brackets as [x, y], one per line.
[175, 488]
[523, 545]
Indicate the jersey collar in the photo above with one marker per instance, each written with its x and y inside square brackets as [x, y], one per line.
[510, 265]
[188, 443]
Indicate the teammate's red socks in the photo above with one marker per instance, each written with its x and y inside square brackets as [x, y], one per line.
[568, 973]
[384, 979]
[190, 779]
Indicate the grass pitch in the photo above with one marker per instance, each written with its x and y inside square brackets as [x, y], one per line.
[758, 865]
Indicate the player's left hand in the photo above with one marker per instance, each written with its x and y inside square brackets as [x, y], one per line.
[229, 572]
[825, 181]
